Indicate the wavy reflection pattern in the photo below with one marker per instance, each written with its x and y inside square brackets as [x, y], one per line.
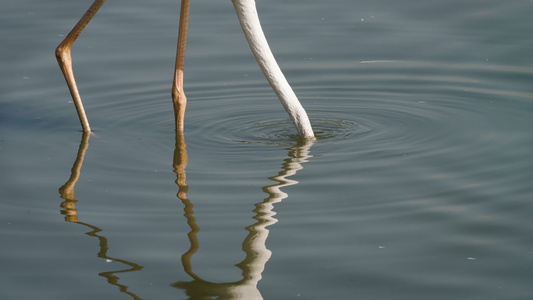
[254, 245]
[71, 215]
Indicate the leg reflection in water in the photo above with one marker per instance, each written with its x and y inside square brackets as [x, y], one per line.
[71, 215]
[254, 244]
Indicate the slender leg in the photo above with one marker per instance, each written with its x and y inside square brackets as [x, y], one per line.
[64, 59]
[178, 95]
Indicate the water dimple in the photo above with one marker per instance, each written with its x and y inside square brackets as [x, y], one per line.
[283, 132]
[338, 129]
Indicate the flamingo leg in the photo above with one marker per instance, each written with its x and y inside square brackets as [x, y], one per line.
[178, 95]
[64, 59]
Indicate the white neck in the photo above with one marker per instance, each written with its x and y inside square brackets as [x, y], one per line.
[247, 13]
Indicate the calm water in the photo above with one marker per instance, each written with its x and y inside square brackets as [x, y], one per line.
[419, 186]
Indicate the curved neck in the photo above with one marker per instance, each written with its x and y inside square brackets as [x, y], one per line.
[247, 13]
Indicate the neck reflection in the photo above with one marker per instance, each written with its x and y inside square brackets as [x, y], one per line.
[254, 245]
[71, 215]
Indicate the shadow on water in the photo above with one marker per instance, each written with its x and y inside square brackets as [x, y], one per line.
[254, 245]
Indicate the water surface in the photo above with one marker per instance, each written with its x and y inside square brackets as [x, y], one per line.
[418, 186]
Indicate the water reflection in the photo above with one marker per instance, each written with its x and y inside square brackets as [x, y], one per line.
[71, 215]
[254, 245]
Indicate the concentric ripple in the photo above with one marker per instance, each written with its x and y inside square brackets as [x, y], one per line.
[398, 108]
[282, 131]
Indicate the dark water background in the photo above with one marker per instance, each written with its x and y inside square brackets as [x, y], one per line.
[419, 187]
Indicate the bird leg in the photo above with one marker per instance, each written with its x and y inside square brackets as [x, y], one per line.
[178, 95]
[64, 59]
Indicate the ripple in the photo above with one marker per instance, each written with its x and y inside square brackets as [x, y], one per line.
[392, 108]
[282, 131]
